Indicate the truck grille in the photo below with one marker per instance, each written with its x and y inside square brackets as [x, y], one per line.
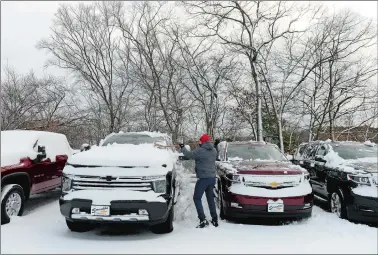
[93, 182]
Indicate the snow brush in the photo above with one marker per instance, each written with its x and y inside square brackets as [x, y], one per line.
[176, 145]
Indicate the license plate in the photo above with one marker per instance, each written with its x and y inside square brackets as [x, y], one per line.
[100, 210]
[275, 207]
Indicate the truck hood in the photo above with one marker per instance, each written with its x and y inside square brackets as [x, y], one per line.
[267, 167]
[125, 156]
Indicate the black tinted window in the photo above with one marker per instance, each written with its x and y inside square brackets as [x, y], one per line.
[355, 151]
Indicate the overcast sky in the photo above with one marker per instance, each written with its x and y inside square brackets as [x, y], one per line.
[23, 23]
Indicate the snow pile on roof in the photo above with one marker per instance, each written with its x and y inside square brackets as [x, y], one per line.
[151, 134]
[142, 155]
[17, 144]
[104, 197]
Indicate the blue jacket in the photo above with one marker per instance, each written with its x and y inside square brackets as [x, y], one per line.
[204, 157]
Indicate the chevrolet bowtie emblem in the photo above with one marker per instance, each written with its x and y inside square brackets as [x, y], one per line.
[274, 184]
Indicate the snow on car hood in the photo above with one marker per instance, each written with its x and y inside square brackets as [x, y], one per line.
[367, 164]
[262, 167]
[124, 155]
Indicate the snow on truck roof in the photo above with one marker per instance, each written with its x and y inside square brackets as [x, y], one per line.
[17, 144]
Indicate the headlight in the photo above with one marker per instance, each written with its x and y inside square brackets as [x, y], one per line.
[153, 177]
[364, 180]
[66, 182]
[159, 186]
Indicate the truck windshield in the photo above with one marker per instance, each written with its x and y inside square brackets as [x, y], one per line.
[131, 139]
[355, 151]
[252, 152]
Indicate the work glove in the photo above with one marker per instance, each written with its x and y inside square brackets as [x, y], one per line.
[217, 141]
[181, 145]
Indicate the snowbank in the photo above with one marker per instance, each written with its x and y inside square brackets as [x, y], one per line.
[104, 197]
[300, 190]
[143, 155]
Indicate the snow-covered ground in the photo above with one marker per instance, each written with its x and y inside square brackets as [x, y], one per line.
[43, 230]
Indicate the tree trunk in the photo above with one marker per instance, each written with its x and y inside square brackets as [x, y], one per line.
[258, 101]
[280, 136]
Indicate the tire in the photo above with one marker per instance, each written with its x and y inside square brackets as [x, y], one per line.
[165, 227]
[16, 197]
[80, 227]
[222, 214]
[337, 204]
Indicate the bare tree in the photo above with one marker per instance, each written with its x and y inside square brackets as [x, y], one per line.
[28, 102]
[254, 25]
[84, 40]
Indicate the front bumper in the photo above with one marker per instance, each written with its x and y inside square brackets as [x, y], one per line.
[364, 209]
[240, 206]
[245, 214]
[121, 211]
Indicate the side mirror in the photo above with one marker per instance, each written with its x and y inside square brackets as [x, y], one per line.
[41, 153]
[85, 147]
[320, 159]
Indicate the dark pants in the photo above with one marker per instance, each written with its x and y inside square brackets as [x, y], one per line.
[202, 186]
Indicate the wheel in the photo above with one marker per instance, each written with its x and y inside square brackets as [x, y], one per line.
[337, 204]
[222, 214]
[79, 226]
[165, 227]
[13, 204]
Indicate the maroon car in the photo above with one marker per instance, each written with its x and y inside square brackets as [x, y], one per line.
[256, 180]
[31, 162]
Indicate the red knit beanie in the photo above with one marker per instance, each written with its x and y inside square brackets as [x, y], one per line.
[205, 138]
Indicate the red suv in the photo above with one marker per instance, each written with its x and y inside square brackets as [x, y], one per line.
[256, 180]
[31, 162]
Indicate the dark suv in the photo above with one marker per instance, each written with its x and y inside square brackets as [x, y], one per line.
[345, 175]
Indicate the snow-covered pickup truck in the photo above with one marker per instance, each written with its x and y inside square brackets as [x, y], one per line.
[124, 180]
[31, 162]
[344, 174]
[255, 180]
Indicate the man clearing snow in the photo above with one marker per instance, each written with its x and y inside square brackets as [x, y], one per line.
[204, 157]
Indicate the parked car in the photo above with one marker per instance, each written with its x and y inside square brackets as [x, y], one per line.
[345, 175]
[31, 162]
[256, 180]
[124, 180]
